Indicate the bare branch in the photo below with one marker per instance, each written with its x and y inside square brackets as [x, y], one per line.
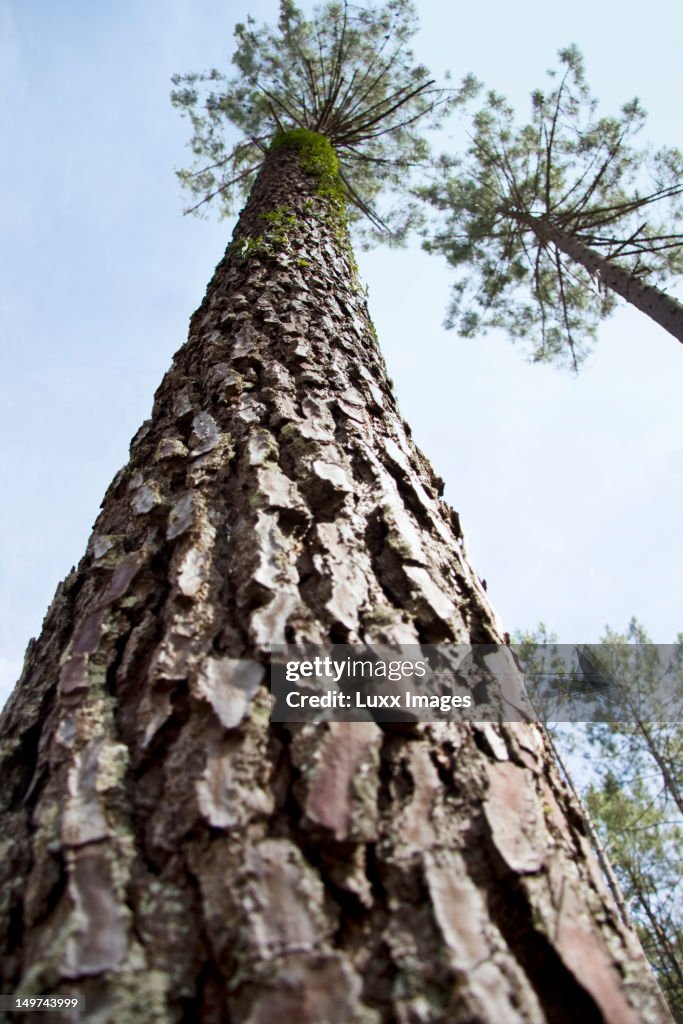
[362, 205]
[223, 187]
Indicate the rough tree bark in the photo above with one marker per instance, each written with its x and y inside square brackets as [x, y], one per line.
[167, 851]
[660, 307]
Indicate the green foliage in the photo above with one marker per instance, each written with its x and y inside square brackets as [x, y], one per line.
[348, 74]
[645, 847]
[569, 168]
[631, 775]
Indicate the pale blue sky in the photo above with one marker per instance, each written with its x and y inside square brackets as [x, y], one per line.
[569, 490]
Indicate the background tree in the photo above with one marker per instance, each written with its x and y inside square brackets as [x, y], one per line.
[170, 853]
[550, 221]
[629, 773]
[644, 842]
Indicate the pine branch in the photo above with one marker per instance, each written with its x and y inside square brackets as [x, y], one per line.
[223, 187]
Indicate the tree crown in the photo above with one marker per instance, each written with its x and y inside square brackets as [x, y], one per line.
[570, 168]
[348, 73]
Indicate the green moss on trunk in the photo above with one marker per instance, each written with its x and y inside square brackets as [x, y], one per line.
[318, 159]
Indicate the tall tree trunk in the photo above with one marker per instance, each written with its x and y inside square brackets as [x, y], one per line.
[171, 854]
[652, 301]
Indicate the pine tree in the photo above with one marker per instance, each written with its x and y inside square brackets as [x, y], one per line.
[551, 221]
[168, 852]
[644, 846]
[629, 773]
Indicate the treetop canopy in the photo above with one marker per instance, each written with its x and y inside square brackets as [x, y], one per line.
[569, 168]
[347, 73]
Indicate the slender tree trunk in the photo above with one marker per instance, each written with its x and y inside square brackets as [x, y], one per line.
[664, 947]
[656, 304]
[664, 764]
[167, 851]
